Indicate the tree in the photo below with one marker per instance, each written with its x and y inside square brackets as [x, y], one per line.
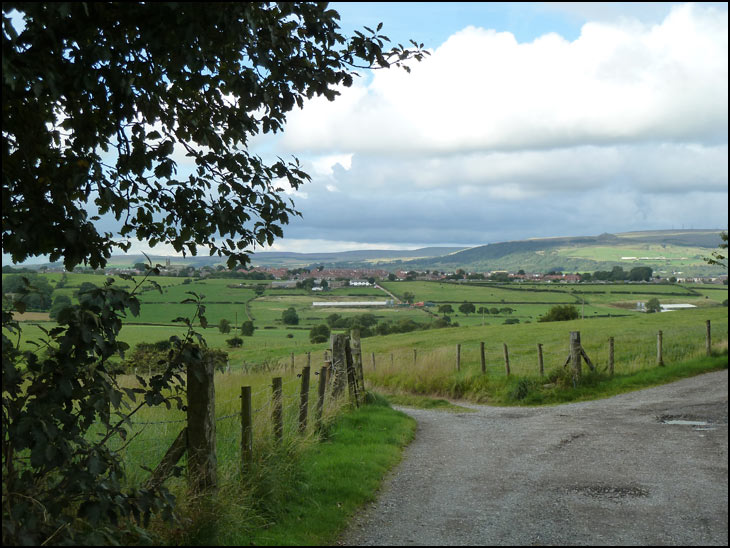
[561, 313]
[247, 328]
[445, 309]
[99, 99]
[290, 316]
[409, 297]
[467, 308]
[653, 305]
[224, 326]
[319, 333]
[719, 257]
[640, 274]
[59, 303]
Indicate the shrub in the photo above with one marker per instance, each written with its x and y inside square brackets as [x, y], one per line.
[247, 328]
[235, 342]
[560, 313]
[319, 333]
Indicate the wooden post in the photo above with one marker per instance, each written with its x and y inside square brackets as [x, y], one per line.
[540, 362]
[458, 357]
[357, 360]
[391, 359]
[246, 428]
[610, 355]
[309, 359]
[708, 338]
[372, 355]
[353, 389]
[415, 356]
[292, 362]
[339, 364]
[304, 400]
[320, 395]
[202, 462]
[277, 415]
[484, 362]
[506, 358]
[659, 357]
[174, 454]
[575, 354]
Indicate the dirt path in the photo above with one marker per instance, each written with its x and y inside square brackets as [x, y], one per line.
[607, 472]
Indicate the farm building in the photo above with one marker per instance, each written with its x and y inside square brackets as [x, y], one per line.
[349, 304]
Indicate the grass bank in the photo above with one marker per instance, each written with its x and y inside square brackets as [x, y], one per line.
[555, 388]
[304, 496]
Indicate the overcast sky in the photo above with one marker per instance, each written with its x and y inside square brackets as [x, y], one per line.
[527, 120]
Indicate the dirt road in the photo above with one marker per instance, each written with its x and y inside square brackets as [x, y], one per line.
[643, 468]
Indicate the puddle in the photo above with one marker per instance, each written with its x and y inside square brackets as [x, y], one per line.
[686, 423]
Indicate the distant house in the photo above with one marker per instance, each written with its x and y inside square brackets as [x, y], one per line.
[361, 283]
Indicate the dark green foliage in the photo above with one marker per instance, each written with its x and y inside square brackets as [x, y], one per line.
[653, 305]
[32, 290]
[59, 303]
[319, 333]
[98, 101]
[467, 308]
[560, 313]
[247, 328]
[290, 316]
[235, 342]
[224, 326]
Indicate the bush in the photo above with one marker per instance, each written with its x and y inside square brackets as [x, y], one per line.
[561, 313]
[290, 316]
[247, 328]
[319, 333]
[235, 342]
[153, 357]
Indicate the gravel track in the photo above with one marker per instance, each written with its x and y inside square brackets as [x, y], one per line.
[606, 472]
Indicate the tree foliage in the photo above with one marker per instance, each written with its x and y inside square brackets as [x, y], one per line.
[561, 313]
[102, 104]
[719, 257]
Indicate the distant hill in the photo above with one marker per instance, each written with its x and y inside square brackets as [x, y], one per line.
[668, 251]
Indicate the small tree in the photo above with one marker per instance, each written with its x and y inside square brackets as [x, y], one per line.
[467, 308]
[224, 326]
[319, 333]
[445, 309]
[247, 328]
[653, 305]
[561, 313]
[409, 297]
[290, 316]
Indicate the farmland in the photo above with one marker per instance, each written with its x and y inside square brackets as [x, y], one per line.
[520, 304]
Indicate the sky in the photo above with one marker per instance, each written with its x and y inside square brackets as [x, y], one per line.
[527, 120]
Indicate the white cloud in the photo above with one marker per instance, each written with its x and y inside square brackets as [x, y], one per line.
[482, 90]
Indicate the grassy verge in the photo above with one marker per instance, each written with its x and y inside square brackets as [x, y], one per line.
[557, 386]
[306, 496]
[424, 402]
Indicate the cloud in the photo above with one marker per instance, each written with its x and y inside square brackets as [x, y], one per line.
[482, 90]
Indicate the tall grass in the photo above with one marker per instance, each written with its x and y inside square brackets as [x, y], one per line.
[434, 372]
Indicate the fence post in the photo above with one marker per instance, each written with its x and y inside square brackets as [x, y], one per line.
[708, 338]
[292, 362]
[304, 400]
[202, 461]
[659, 357]
[246, 428]
[321, 389]
[458, 357]
[610, 355]
[277, 415]
[372, 355]
[357, 360]
[415, 356]
[506, 358]
[352, 387]
[540, 362]
[575, 354]
[339, 364]
[309, 359]
[484, 362]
